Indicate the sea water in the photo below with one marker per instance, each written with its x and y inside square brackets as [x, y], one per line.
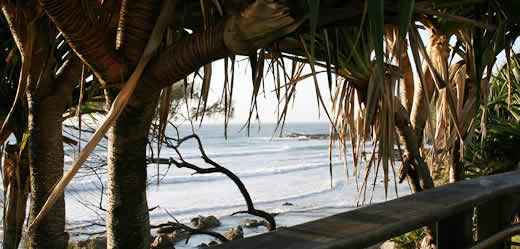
[288, 176]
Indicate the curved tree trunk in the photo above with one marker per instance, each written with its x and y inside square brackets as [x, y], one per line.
[457, 166]
[46, 158]
[46, 168]
[89, 39]
[128, 224]
[46, 103]
[16, 175]
[438, 51]
[407, 84]
[415, 169]
[419, 112]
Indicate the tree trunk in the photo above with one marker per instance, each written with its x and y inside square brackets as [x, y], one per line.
[456, 166]
[16, 202]
[414, 167]
[46, 168]
[407, 84]
[46, 103]
[128, 224]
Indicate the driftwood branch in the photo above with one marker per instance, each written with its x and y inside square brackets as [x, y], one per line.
[217, 168]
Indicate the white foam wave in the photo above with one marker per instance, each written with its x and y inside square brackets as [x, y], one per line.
[93, 184]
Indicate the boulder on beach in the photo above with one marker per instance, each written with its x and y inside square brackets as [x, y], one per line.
[162, 241]
[178, 235]
[167, 230]
[210, 244]
[234, 233]
[202, 222]
[251, 223]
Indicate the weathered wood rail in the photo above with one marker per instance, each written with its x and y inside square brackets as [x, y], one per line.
[448, 209]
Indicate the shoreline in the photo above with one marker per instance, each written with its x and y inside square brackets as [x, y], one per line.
[227, 222]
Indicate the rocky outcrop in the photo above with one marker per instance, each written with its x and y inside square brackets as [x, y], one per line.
[202, 222]
[210, 244]
[178, 235]
[251, 223]
[234, 233]
[162, 241]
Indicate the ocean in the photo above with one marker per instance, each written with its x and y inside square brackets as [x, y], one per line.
[284, 175]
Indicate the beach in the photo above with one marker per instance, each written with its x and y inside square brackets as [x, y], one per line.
[288, 176]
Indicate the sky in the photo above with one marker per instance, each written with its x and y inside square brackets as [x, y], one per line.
[303, 109]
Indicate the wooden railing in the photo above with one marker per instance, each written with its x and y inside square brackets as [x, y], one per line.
[448, 209]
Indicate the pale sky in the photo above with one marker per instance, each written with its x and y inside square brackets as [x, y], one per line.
[304, 108]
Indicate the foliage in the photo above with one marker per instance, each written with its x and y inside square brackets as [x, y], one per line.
[494, 149]
[182, 97]
[497, 151]
[410, 240]
[350, 45]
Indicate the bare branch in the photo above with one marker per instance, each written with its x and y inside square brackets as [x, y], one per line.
[179, 226]
[217, 168]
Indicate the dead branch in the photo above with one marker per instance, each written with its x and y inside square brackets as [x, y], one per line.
[175, 226]
[217, 168]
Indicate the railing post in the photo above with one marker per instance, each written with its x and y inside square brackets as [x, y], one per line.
[495, 215]
[455, 231]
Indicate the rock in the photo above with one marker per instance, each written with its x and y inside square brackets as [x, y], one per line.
[162, 241]
[202, 222]
[250, 223]
[166, 230]
[287, 204]
[234, 233]
[178, 235]
[388, 245]
[428, 243]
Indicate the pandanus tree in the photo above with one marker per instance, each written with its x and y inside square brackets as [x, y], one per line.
[239, 31]
[449, 84]
[15, 169]
[136, 49]
[48, 93]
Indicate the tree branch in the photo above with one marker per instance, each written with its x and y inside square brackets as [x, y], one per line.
[136, 22]
[217, 168]
[179, 226]
[182, 58]
[413, 165]
[261, 23]
[86, 37]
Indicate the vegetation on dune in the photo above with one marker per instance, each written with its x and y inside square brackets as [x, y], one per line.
[493, 149]
[141, 53]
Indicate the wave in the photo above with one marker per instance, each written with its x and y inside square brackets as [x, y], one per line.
[231, 207]
[249, 173]
[93, 184]
[244, 152]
